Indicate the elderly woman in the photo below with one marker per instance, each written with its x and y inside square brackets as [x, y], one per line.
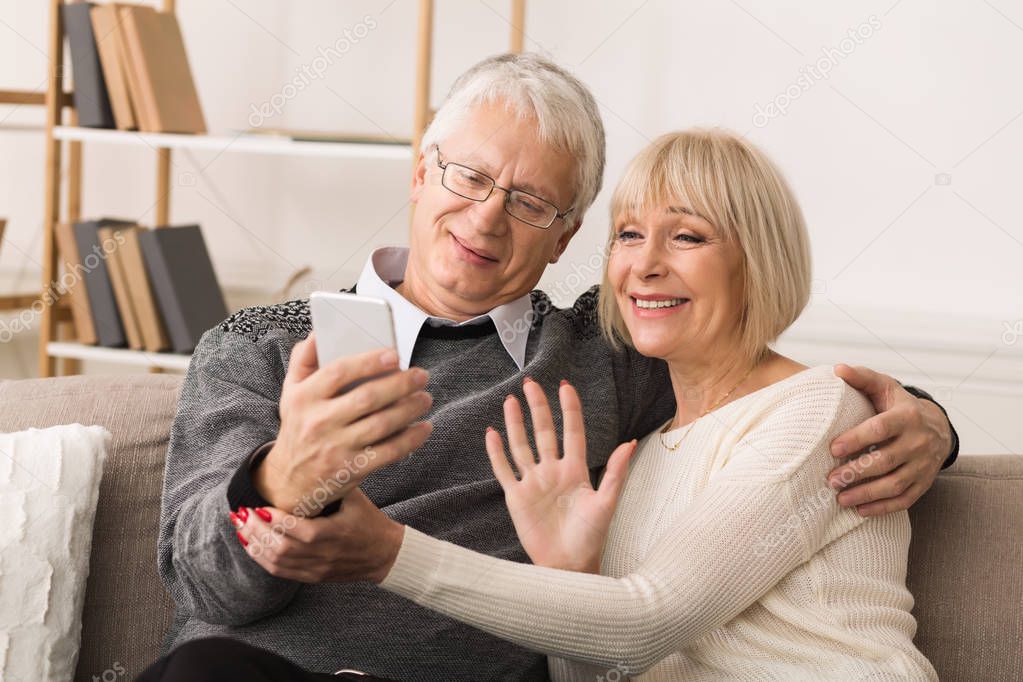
[726, 556]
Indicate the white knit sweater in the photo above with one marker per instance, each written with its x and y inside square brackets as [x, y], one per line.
[728, 558]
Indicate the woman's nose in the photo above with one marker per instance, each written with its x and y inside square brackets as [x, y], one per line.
[650, 261]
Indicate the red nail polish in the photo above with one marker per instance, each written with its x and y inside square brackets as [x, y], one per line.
[235, 521]
[245, 543]
[243, 514]
[263, 514]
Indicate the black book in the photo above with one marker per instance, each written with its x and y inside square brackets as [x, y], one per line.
[184, 283]
[90, 95]
[93, 258]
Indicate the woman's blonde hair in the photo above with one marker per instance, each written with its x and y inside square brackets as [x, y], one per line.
[733, 185]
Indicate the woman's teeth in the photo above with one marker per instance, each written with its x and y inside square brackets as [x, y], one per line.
[667, 303]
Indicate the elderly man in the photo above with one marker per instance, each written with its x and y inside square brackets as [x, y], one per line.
[509, 166]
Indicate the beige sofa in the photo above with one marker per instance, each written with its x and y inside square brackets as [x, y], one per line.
[966, 561]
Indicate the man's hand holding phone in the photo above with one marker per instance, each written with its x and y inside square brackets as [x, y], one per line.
[334, 441]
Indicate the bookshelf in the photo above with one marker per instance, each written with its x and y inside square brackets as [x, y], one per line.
[15, 302]
[65, 141]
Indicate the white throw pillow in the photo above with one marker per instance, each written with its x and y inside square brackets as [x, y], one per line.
[49, 485]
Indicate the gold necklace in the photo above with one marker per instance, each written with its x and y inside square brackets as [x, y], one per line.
[664, 429]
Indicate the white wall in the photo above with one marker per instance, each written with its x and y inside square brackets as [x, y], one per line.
[905, 157]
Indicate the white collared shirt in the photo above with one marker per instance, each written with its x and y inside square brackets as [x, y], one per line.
[387, 264]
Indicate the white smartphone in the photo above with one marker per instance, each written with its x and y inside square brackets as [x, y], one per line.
[349, 324]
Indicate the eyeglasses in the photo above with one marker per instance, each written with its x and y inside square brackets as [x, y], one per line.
[472, 184]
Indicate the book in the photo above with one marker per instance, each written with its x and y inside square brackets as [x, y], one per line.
[154, 332]
[143, 118]
[90, 89]
[102, 305]
[162, 76]
[106, 29]
[114, 237]
[74, 281]
[185, 284]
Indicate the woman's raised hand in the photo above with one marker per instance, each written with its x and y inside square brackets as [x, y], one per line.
[561, 521]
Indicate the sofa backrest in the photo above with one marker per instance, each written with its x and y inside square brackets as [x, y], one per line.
[966, 569]
[965, 562]
[127, 610]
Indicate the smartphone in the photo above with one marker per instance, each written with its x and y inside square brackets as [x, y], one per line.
[349, 324]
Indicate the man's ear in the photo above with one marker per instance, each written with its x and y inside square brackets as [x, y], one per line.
[564, 239]
[418, 178]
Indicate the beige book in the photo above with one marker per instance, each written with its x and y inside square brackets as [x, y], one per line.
[143, 116]
[119, 282]
[78, 298]
[154, 332]
[106, 29]
[156, 51]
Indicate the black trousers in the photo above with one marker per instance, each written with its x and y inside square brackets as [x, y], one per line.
[221, 659]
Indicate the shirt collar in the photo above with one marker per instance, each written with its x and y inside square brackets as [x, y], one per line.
[512, 320]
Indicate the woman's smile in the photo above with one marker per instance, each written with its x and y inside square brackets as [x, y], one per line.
[656, 306]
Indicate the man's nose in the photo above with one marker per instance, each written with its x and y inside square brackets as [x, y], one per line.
[489, 216]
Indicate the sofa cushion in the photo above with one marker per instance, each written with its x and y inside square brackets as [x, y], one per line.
[965, 569]
[49, 485]
[127, 611]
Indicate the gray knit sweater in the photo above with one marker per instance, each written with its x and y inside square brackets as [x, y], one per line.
[229, 406]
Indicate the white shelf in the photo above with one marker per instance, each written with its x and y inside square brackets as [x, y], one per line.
[238, 143]
[22, 128]
[121, 356]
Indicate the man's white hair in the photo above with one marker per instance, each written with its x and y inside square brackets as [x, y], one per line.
[566, 113]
